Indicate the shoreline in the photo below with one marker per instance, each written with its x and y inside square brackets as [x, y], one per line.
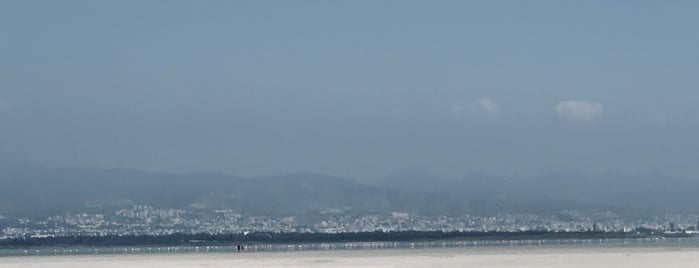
[202, 239]
[449, 257]
[443, 244]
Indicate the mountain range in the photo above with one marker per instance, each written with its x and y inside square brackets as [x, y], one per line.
[38, 191]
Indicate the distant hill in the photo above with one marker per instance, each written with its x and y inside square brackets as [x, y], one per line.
[45, 191]
[640, 194]
[34, 191]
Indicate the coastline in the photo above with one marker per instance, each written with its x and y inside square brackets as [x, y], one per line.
[203, 239]
[471, 245]
[495, 257]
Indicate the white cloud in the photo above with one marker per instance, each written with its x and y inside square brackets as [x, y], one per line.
[579, 110]
[480, 107]
[488, 105]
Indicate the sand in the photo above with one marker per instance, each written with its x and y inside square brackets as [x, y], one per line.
[540, 257]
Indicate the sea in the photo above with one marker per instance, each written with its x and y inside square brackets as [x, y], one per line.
[675, 242]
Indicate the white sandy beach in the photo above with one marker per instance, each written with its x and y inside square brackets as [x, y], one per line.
[598, 257]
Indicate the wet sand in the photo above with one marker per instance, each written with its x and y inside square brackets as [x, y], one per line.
[496, 257]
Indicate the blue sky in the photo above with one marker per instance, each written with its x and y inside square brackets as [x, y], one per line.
[355, 88]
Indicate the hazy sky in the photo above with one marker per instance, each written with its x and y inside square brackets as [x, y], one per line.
[353, 88]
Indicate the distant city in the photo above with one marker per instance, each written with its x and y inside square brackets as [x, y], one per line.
[37, 202]
[146, 220]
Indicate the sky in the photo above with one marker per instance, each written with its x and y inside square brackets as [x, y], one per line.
[361, 89]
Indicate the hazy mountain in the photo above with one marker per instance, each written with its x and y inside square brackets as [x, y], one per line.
[43, 191]
[32, 190]
[47, 191]
[648, 193]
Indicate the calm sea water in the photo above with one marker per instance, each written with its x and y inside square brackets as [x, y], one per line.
[692, 242]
